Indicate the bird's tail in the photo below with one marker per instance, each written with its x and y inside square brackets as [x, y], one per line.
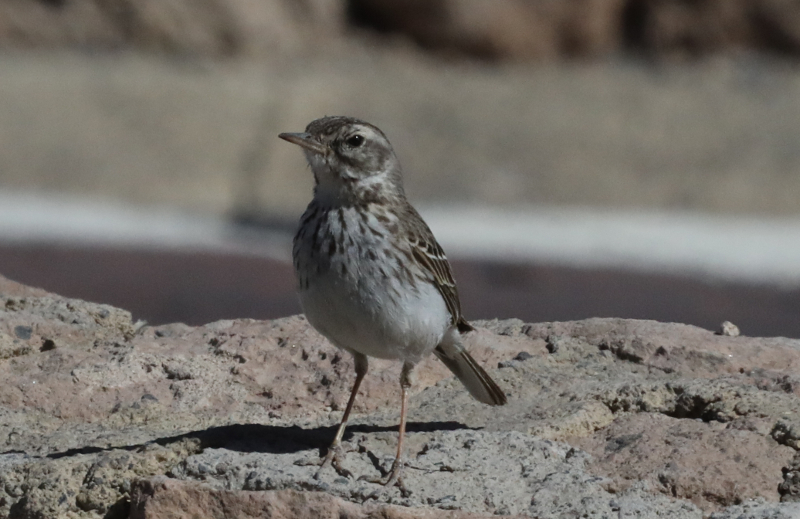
[479, 384]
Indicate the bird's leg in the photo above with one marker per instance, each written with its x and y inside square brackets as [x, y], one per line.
[397, 466]
[405, 383]
[333, 454]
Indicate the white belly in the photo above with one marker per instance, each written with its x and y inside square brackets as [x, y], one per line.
[375, 322]
[360, 308]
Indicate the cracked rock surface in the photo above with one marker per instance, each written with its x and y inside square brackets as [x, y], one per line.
[103, 417]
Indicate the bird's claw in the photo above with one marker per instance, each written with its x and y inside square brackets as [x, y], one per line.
[395, 478]
[334, 459]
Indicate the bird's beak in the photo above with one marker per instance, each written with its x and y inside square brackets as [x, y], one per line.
[304, 140]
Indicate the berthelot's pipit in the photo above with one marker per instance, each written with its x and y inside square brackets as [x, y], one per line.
[372, 278]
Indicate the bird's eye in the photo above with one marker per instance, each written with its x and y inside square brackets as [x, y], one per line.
[355, 141]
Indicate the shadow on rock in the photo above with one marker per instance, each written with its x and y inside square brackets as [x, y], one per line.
[286, 440]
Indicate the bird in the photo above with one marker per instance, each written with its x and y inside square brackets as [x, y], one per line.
[371, 276]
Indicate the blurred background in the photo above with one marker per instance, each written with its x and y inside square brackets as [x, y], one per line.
[576, 158]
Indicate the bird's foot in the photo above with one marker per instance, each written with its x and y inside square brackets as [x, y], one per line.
[334, 458]
[394, 475]
[395, 478]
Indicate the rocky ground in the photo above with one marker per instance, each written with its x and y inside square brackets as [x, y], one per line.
[105, 417]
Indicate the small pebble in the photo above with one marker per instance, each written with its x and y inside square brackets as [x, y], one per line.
[728, 329]
[23, 332]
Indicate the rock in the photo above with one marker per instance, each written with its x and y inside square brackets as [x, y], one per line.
[487, 473]
[758, 509]
[501, 29]
[211, 27]
[737, 464]
[96, 483]
[789, 488]
[605, 416]
[162, 497]
[729, 329]
[555, 29]
[674, 28]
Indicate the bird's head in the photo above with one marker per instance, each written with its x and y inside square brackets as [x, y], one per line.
[352, 161]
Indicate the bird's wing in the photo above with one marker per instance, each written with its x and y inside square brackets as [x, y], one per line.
[429, 254]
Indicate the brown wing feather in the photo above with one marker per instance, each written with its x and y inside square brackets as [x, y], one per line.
[429, 254]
